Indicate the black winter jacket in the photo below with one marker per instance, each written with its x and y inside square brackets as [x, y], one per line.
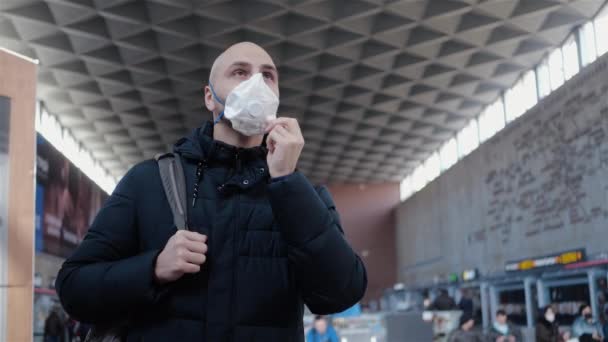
[273, 247]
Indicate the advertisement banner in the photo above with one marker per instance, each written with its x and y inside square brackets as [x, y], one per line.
[66, 201]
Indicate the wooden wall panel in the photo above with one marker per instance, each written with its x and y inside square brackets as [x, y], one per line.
[18, 82]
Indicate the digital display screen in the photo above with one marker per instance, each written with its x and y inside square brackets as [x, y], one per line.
[469, 275]
[560, 259]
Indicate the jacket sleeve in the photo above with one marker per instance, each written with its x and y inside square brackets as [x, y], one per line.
[577, 328]
[331, 276]
[105, 278]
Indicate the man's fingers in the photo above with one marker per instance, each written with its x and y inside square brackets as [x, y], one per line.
[274, 136]
[196, 246]
[195, 258]
[282, 131]
[271, 125]
[190, 268]
[290, 124]
[193, 236]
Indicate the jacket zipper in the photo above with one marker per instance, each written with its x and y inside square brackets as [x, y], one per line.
[235, 251]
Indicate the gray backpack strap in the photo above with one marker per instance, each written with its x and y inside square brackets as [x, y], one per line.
[174, 184]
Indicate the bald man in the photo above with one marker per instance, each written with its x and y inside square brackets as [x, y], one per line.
[262, 241]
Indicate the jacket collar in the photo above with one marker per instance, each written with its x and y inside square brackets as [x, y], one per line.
[200, 145]
[247, 165]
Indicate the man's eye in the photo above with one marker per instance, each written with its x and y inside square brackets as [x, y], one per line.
[240, 72]
[269, 76]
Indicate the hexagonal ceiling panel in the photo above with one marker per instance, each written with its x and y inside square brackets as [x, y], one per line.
[376, 84]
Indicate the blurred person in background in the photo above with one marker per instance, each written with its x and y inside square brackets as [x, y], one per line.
[503, 331]
[322, 331]
[443, 302]
[54, 328]
[586, 328]
[465, 332]
[547, 329]
[466, 302]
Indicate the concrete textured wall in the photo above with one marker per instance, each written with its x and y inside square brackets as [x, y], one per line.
[367, 215]
[539, 186]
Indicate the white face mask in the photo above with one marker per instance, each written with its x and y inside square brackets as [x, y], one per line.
[550, 317]
[249, 106]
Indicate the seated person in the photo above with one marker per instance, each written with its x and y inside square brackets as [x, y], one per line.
[465, 332]
[322, 331]
[586, 328]
[503, 331]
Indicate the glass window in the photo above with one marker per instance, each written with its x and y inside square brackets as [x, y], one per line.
[418, 178]
[491, 120]
[468, 139]
[448, 154]
[556, 69]
[432, 167]
[406, 188]
[601, 32]
[587, 39]
[543, 79]
[529, 95]
[50, 128]
[514, 106]
[570, 56]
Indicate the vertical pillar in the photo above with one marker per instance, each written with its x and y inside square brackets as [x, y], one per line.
[543, 293]
[528, 288]
[18, 89]
[592, 276]
[493, 301]
[485, 305]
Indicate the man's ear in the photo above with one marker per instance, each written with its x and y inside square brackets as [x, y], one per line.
[209, 100]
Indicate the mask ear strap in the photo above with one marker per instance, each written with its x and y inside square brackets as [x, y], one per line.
[219, 118]
[217, 98]
[215, 95]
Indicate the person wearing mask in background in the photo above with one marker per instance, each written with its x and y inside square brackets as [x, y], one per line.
[586, 328]
[503, 331]
[261, 239]
[465, 332]
[547, 329]
[443, 302]
[466, 302]
[322, 331]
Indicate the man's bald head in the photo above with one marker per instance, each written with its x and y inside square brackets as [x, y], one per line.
[234, 52]
[235, 65]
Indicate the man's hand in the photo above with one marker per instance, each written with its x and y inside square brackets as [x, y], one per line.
[184, 253]
[500, 339]
[285, 143]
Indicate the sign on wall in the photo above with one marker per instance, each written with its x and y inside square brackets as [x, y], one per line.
[66, 201]
[559, 259]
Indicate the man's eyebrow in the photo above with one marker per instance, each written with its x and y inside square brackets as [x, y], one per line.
[241, 64]
[269, 67]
